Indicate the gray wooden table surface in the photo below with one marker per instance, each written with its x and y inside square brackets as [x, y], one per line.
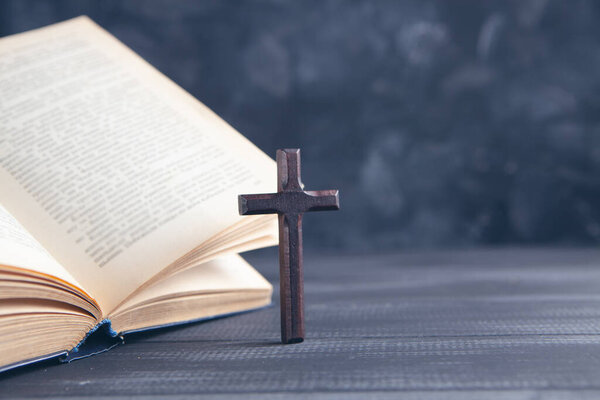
[506, 324]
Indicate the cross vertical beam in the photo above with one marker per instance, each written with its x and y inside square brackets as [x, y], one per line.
[291, 278]
[290, 203]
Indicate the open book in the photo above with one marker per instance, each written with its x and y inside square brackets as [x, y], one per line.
[118, 197]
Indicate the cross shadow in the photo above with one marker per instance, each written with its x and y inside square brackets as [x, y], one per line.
[269, 343]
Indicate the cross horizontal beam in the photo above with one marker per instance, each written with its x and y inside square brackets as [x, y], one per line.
[289, 202]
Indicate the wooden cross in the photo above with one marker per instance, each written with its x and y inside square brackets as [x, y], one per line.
[290, 202]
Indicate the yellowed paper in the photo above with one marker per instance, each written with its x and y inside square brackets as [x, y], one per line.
[112, 167]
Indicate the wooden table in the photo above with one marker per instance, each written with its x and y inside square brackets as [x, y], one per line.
[447, 325]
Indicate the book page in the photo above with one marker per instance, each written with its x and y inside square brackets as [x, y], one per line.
[112, 167]
[223, 285]
[19, 249]
[223, 274]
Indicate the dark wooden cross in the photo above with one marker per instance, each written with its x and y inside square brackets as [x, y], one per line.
[290, 202]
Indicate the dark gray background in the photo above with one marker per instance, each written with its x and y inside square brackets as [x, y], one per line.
[443, 123]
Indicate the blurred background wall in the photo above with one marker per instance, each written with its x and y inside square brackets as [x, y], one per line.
[443, 123]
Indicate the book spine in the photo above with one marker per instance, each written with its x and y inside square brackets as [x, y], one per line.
[99, 339]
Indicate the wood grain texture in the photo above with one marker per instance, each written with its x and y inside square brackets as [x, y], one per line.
[518, 324]
[290, 203]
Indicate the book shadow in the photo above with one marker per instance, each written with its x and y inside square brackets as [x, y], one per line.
[157, 333]
[154, 334]
[30, 368]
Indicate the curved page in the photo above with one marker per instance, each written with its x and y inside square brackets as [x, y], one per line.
[112, 167]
